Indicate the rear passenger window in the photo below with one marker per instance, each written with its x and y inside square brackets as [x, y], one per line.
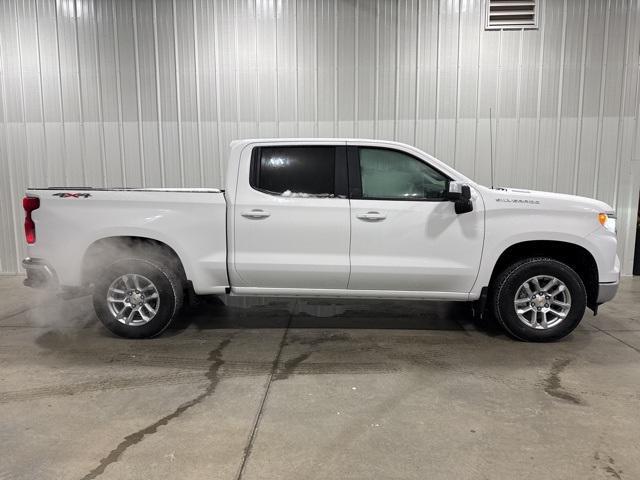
[294, 171]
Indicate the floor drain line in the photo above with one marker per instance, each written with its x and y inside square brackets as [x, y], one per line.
[247, 450]
[614, 337]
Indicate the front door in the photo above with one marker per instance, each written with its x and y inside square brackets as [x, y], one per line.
[291, 218]
[405, 235]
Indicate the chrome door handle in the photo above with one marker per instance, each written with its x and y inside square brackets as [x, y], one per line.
[255, 214]
[371, 216]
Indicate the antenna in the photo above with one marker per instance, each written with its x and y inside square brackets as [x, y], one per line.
[491, 143]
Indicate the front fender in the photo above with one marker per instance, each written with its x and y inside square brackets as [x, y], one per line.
[494, 250]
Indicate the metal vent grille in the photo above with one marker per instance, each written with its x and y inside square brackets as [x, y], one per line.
[502, 14]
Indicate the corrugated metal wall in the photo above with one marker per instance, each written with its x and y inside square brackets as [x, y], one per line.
[151, 92]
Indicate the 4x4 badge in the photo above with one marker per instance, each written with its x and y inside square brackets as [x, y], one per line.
[71, 195]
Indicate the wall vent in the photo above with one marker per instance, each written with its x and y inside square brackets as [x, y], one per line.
[512, 14]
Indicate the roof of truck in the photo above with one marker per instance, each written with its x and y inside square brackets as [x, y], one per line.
[318, 140]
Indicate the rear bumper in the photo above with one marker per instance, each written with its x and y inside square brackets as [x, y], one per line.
[39, 273]
[607, 291]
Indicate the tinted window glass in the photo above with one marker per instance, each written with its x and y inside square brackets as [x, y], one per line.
[296, 171]
[395, 175]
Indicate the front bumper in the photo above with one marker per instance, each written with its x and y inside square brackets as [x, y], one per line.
[39, 273]
[606, 291]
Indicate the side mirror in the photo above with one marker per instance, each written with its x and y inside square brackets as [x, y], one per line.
[460, 193]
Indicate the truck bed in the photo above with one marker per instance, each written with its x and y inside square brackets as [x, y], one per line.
[190, 221]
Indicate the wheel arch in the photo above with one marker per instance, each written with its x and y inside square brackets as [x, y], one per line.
[108, 249]
[573, 255]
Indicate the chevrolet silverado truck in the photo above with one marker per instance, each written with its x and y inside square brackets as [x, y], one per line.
[329, 218]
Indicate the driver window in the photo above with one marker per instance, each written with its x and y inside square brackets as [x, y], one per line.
[389, 174]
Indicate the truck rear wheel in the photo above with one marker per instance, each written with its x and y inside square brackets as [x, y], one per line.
[136, 297]
[539, 299]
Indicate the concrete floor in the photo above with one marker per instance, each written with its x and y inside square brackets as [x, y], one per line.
[311, 390]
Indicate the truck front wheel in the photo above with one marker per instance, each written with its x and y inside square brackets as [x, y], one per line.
[137, 298]
[539, 299]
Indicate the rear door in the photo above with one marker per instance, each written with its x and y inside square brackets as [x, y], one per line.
[405, 235]
[291, 218]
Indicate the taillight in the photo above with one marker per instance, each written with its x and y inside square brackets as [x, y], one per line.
[30, 204]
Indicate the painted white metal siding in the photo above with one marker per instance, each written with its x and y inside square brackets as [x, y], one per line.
[151, 92]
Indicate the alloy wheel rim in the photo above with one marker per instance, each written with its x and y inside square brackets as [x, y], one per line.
[133, 299]
[542, 302]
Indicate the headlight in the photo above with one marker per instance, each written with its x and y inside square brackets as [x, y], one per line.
[608, 221]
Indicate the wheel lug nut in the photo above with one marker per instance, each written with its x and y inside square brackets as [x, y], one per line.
[546, 305]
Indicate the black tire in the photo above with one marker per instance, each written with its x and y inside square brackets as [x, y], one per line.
[506, 286]
[167, 283]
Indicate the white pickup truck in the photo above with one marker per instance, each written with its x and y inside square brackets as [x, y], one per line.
[327, 218]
